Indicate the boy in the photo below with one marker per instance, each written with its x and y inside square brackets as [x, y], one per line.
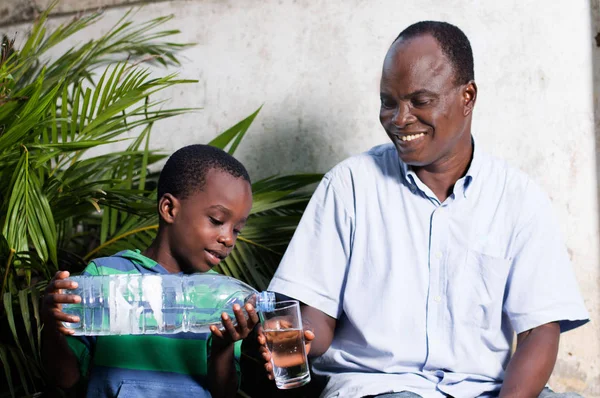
[204, 198]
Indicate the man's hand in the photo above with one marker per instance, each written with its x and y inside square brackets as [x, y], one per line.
[54, 298]
[309, 336]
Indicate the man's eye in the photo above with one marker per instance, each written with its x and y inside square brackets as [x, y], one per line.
[387, 103]
[420, 101]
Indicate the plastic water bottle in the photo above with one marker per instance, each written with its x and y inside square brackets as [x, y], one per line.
[158, 304]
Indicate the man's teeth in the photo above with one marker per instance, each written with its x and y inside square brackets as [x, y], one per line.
[411, 137]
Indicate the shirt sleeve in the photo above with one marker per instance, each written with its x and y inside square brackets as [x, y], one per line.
[541, 286]
[314, 267]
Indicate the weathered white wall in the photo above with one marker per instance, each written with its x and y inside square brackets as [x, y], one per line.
[315, 64]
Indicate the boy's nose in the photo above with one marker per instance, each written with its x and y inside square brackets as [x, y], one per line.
[226, 239]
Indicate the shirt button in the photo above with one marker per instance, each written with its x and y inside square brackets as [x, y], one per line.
[437, 299]
[438, 255]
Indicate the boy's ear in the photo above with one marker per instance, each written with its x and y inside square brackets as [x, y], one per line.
[168, 208]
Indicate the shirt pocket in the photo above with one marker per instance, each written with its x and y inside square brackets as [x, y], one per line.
[476, 286]
[150, 389]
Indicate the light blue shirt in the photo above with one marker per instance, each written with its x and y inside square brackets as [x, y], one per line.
[427, 294]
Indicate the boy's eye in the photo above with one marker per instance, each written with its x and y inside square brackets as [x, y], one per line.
[236, 231]
[215, 221]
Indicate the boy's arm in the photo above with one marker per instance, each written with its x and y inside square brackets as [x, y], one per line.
[222, 372]
[60, 362]
[531, 366]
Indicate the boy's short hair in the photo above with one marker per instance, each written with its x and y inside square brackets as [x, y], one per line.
[186, 169]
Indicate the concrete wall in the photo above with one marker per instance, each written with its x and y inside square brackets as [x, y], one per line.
[316, 65]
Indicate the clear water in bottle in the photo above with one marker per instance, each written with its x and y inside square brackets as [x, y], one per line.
[158, 304]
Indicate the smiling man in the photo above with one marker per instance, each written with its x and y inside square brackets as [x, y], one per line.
[418, 260]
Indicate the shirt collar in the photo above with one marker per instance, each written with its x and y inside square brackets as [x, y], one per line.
[471, 177]
[464, 184]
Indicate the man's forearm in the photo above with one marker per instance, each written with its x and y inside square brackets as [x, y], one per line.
[322, 325]
[533, 362]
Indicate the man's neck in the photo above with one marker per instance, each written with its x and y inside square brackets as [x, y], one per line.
[441, 176]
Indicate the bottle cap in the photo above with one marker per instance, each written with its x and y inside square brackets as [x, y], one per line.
[265, 301]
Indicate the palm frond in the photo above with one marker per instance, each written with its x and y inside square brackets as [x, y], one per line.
[7, 366]
[230, 139]
[55, 196]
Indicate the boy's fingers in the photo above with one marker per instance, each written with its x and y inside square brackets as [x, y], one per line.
[65, 284]
[240, 317]
[215, 330]
[62, 317]
[252, 315]
[226, 321]
[59, 281]
[66, 331]
[61, 275]
[64, 298]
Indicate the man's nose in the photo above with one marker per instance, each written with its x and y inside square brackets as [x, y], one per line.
[403, 116]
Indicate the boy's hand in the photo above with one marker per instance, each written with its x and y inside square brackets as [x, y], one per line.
[309, 336]
[230, 333]
[54, 298]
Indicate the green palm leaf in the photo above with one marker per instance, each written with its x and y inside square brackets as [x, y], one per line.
[7, 366]
[62, 205]
[230, 139]
[29, 216]
[55, 195]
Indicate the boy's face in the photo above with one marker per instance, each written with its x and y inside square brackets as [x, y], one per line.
[205, 225]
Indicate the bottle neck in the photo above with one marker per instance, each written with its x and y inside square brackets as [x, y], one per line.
[265, 301]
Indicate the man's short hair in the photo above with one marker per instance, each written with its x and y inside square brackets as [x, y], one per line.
[186, 169]
[454, 43]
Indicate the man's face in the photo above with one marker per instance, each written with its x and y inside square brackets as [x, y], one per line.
[207, 223]
[424, 112]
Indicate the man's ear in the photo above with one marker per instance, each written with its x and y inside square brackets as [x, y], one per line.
[168, 208]
[469, 94]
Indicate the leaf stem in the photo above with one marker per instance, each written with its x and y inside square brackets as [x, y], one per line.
[10, 257]
[116, 238]
[251, 242]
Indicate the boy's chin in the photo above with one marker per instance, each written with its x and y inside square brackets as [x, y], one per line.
[199, 267]
[202, 268]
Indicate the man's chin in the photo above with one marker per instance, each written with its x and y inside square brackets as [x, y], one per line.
[412, 159]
